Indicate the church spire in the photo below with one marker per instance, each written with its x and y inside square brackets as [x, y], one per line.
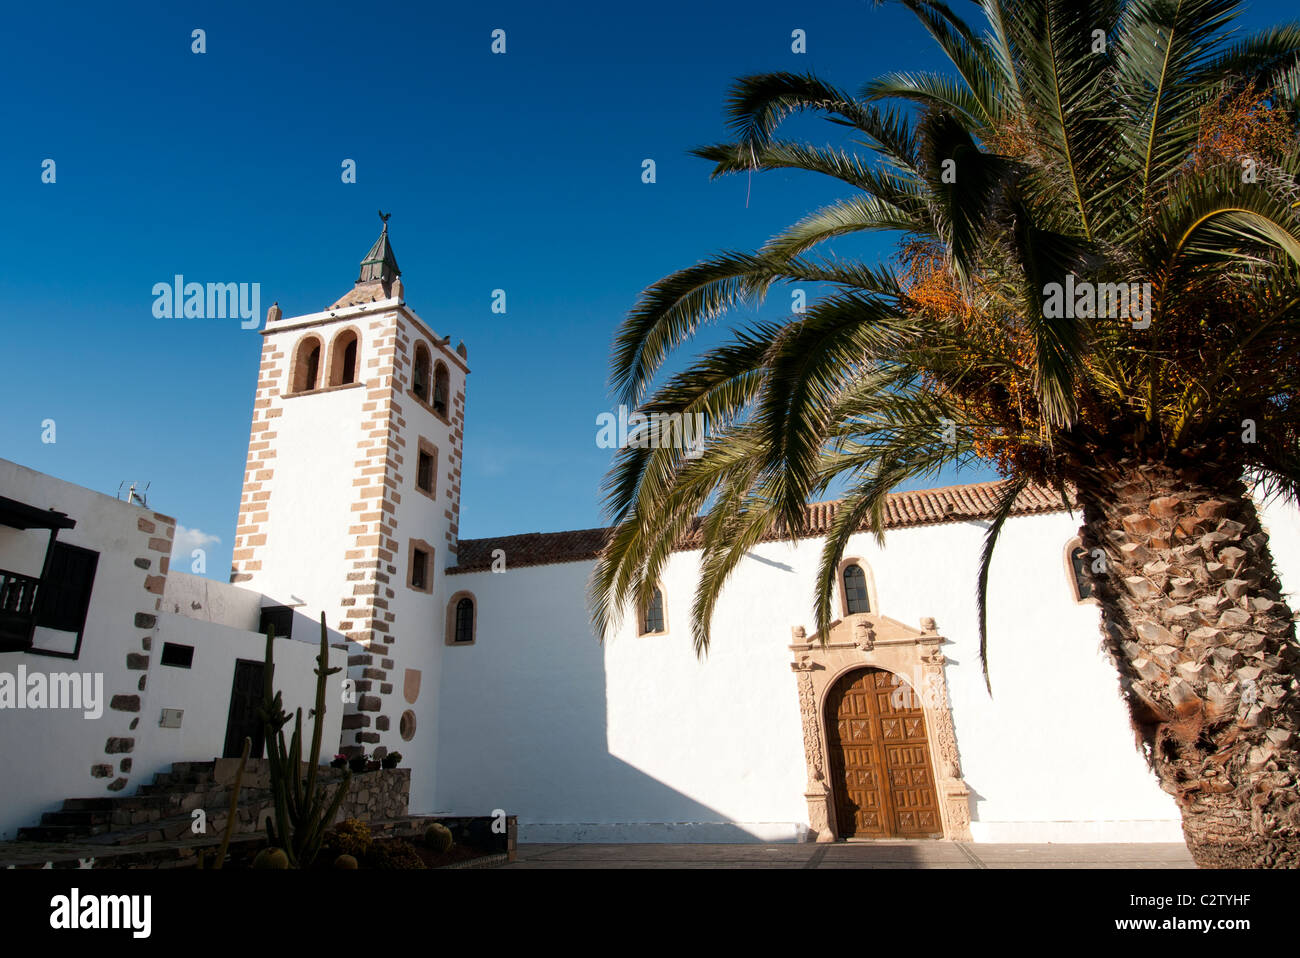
[380, 264]
[379, 277]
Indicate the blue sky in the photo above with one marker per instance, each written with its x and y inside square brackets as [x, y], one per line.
[519, 171]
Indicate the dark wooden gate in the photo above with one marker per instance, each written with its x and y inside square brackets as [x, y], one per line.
[245, 700]
[879, 759]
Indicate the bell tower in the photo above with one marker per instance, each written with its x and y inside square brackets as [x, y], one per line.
[351, 496]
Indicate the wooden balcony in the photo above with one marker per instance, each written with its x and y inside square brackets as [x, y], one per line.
[17, 609]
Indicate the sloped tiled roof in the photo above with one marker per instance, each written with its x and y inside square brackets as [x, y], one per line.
[902, 509]
[530, 548]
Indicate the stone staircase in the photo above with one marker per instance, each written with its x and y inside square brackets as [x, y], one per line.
[163, 810]
[160, 811]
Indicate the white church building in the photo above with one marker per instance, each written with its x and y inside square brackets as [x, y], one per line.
[477, 661]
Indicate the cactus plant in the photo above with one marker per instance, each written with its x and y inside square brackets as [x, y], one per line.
[438, 838]
[271, 858]
[231, 816]
[301, 812]
[351, 837]
[345, 862]
[397, 854]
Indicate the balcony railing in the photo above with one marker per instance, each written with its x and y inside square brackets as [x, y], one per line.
[17, 608]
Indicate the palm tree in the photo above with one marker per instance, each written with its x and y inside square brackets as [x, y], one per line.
[1080, 146]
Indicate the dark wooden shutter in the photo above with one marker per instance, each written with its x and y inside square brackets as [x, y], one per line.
[64, 594]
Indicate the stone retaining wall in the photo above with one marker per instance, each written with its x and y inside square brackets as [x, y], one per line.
[382, 794]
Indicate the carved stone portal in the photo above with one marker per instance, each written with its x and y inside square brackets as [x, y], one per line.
[870, 640]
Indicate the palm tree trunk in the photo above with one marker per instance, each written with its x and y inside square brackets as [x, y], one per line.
[1193, 617]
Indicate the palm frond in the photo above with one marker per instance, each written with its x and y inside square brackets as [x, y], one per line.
[1006, 503]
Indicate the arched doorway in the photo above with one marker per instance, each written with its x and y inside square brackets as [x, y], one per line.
[881, 776]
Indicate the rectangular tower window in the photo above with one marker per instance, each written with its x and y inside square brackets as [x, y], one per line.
[426, 469]
[419, 574]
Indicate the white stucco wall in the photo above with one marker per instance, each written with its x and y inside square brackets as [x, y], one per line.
[50, 752]
[588, 743]
[639, 741]
[203, 691]
[1282, 523]
[53, 750]
[1050, 756]
[311, 491]
[205, 599]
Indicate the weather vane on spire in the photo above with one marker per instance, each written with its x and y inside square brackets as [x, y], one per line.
[384, 216]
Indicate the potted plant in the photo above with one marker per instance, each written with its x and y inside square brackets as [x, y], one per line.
[391, 759]
[340, 761]
[358, 764]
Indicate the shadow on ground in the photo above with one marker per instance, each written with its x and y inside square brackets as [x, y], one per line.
[927, 854]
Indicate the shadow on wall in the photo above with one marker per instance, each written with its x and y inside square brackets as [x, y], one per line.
[523, 728]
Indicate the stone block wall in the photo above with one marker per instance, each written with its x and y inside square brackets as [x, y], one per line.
[372, 796]
[375, 796]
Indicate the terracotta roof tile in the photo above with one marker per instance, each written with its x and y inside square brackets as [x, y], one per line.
[530, 548]
[902, 509]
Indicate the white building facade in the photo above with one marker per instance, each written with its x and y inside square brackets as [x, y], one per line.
[638, 740]
[477, 661]
[112, 665]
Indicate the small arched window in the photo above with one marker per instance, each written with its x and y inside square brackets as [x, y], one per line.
[1079, 560]
[460, 619]
[855, 590]
[441, 385]
[420, 375]
[306, 365]
[343, 358]
[464, 621]
[652, 621]
[312, 369]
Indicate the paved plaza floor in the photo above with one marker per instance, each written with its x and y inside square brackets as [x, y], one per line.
[893, 854]
[882, 854]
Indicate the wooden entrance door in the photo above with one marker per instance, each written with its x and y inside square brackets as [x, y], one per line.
[245, 699]
[879, 759]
